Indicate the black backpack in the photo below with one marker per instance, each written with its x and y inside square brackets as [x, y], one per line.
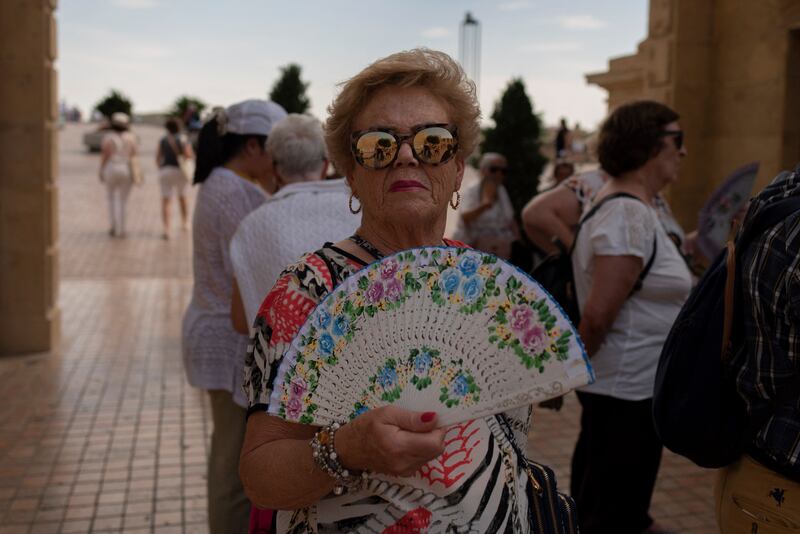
[696, 409]
[555, 272]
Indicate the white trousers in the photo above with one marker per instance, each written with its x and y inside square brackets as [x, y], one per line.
[117, 188]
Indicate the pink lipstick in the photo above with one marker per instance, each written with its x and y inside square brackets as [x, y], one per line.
[405, 185]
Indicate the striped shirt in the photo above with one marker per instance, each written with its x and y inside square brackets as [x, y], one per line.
[768, 371]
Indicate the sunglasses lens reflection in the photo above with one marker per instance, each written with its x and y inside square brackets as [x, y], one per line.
[434, 145]
[375, 149]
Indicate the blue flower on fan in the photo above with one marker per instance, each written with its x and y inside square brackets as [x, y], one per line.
[449, 281]
[323, 318]
[460, 386]
[469, 263]
[472, 288]
[326, 343]
[387, 378]
[422, 363]
[340, 325]
[359, 410]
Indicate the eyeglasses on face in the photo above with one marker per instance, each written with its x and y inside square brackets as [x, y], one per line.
[432, 144]
[677, 135]
[494, 169]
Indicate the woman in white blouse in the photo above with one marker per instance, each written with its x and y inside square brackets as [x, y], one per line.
[233, 167]
[631, 282]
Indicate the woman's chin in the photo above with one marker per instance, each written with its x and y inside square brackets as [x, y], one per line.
[412, 212]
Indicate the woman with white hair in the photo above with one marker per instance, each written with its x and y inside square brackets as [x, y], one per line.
[304, 212]
[486, 218]
[118, 150]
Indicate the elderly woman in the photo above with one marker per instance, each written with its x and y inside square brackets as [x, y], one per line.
[626, 316]
[486, 218]
[419, 108]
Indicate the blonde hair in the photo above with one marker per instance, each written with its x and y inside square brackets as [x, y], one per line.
[435, 71]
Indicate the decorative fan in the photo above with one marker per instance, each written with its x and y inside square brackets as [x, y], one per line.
[450, 330]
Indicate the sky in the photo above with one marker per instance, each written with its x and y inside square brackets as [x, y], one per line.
[225, 51]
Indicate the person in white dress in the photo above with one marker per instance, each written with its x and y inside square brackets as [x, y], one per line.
[233, 168]
[118, 150]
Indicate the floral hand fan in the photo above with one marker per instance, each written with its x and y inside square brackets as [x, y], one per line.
[449, 330]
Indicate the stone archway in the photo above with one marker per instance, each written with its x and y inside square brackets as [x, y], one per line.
[29, 312]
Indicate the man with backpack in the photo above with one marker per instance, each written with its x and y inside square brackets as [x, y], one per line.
[760, 492]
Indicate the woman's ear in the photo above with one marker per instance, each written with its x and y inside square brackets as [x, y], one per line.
[254, 147]
[459, 172]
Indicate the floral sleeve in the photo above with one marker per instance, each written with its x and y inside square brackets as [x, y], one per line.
[296, 293]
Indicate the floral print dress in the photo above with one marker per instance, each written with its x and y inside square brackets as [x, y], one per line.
[479, 484]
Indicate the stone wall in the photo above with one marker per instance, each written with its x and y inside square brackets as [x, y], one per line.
[731, 68]
[29, 313]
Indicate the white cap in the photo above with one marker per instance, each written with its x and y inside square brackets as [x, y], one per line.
[120, 119]
[251, 117]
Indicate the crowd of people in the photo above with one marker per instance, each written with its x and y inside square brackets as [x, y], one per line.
[272, 237]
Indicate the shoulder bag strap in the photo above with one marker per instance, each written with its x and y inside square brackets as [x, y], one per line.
[639, 281]
[174, 146]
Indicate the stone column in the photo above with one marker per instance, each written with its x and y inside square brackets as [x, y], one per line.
[29, 313]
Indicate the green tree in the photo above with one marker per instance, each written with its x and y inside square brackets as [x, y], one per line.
[290, 91]
[182, 103]
[516, 135]
[115, 101]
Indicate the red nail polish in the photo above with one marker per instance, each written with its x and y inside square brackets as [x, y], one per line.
[427, 417]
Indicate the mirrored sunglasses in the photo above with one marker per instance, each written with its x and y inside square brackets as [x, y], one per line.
[432, 144]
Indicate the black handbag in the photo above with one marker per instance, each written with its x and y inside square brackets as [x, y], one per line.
[550, 512]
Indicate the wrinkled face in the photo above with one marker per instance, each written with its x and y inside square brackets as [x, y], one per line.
[666, 164]
[406, 191]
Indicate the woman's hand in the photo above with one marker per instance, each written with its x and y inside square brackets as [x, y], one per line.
[390, 440]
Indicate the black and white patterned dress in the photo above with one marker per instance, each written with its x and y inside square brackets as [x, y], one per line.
[478, 485]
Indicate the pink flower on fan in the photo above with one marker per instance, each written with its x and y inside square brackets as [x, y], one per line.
[299, 387]
[388, 268]
[521, 318]
[394, 290]
[534, 339]
[293, 408]
[375, 292]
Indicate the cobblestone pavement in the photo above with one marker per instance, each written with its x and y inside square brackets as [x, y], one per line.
[104, 434]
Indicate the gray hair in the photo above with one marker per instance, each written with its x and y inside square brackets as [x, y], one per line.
[297, 147]
[489, 158]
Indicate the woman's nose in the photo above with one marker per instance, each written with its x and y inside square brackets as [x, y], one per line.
[405, 156]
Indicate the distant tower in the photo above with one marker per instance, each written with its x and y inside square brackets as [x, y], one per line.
[469, 49]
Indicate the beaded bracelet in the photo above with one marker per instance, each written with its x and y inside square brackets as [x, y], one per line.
[324, 453]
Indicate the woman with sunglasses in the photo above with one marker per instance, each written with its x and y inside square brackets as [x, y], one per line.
[400, 130]
[631, 282]
[486, 218]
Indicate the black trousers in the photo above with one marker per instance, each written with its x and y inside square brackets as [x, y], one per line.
[615, 465]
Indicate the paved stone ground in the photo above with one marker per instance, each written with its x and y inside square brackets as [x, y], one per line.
[104, 435]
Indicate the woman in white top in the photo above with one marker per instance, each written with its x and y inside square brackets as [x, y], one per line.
[232, 168]
[118, 149]
[625, 317]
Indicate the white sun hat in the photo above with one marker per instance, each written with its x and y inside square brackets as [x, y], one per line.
[250, 117]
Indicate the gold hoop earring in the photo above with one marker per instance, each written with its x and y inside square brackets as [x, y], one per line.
[350, 204]
[457, 203]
